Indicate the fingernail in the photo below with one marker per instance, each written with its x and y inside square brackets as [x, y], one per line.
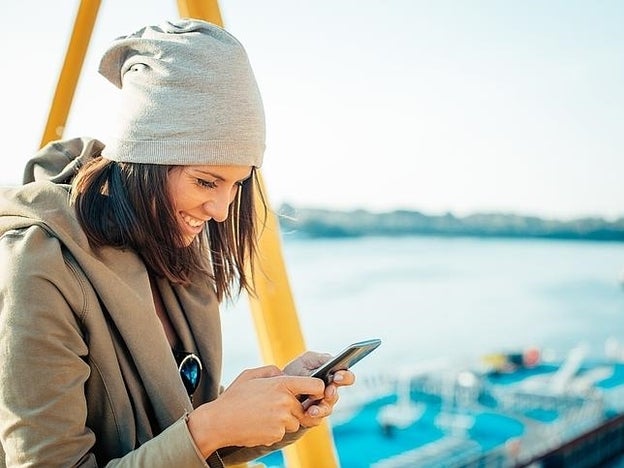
[314, 411]
[338, 377]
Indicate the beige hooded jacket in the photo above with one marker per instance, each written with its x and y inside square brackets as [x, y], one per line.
[87, 377]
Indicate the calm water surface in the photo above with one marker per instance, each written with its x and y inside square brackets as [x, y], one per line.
[456, 298]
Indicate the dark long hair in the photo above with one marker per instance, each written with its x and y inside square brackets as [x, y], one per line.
[127, 206]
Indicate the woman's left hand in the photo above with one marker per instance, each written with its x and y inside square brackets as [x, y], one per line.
[317, 410]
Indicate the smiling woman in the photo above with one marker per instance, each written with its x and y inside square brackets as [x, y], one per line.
[131, 247]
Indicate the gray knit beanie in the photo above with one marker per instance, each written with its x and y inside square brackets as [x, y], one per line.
[188, 96]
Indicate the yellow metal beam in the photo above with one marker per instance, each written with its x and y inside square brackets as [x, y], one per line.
[279, 333]
[68, 79]
[203, 9]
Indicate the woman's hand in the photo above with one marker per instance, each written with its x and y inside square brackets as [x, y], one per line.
[317, 409]
[258, 408]
[306, 363]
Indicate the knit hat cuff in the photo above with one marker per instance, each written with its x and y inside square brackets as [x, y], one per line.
[214, 152]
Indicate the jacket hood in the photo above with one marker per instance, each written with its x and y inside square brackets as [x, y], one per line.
[59, 161]
[43, 199]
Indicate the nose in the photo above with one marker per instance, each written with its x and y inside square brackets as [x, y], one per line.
[218, 207]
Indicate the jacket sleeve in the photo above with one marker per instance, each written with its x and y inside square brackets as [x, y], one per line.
[237, 455]
[43, 366]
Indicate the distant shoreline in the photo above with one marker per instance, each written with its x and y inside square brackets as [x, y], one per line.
[324, 223]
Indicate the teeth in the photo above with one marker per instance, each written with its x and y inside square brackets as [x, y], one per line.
[193, 222]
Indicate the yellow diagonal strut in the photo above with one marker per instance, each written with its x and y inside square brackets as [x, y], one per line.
[68, 79]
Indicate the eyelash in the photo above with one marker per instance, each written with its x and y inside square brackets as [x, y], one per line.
[206, 183]
[209, 184]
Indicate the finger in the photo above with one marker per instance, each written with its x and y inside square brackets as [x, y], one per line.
[331, 394]
[297, 385]
[313, 360]
[344, 378]
[292, 424]
[270, 371]
[310, 421]
[316, 410]
[260, 372]
[323, 407]
[319, 410]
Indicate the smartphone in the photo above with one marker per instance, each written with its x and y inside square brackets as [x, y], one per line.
[345, 359]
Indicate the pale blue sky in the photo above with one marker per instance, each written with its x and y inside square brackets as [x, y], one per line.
[436, 105]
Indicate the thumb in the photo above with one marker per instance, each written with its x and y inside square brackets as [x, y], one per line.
[260, 372]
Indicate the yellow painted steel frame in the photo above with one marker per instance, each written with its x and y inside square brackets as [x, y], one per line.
[279, 333]
[68, 79]
[273, 309]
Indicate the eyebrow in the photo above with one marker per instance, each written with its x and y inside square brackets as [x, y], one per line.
[219, 177]
[211, 174]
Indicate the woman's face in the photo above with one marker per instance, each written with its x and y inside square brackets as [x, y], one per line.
[201, 193]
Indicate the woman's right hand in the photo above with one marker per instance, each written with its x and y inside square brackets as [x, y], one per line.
[258, 408]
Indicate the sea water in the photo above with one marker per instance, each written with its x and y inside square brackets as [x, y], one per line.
[454, 298]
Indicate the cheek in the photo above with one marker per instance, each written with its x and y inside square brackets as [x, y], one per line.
[234, 192]
[181, 199]
[178, 191]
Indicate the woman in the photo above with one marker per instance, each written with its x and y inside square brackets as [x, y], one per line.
[115, 259]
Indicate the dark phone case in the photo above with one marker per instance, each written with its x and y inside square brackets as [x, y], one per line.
[344, 360]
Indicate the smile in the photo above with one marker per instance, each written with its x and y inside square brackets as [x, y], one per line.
[191, 221]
